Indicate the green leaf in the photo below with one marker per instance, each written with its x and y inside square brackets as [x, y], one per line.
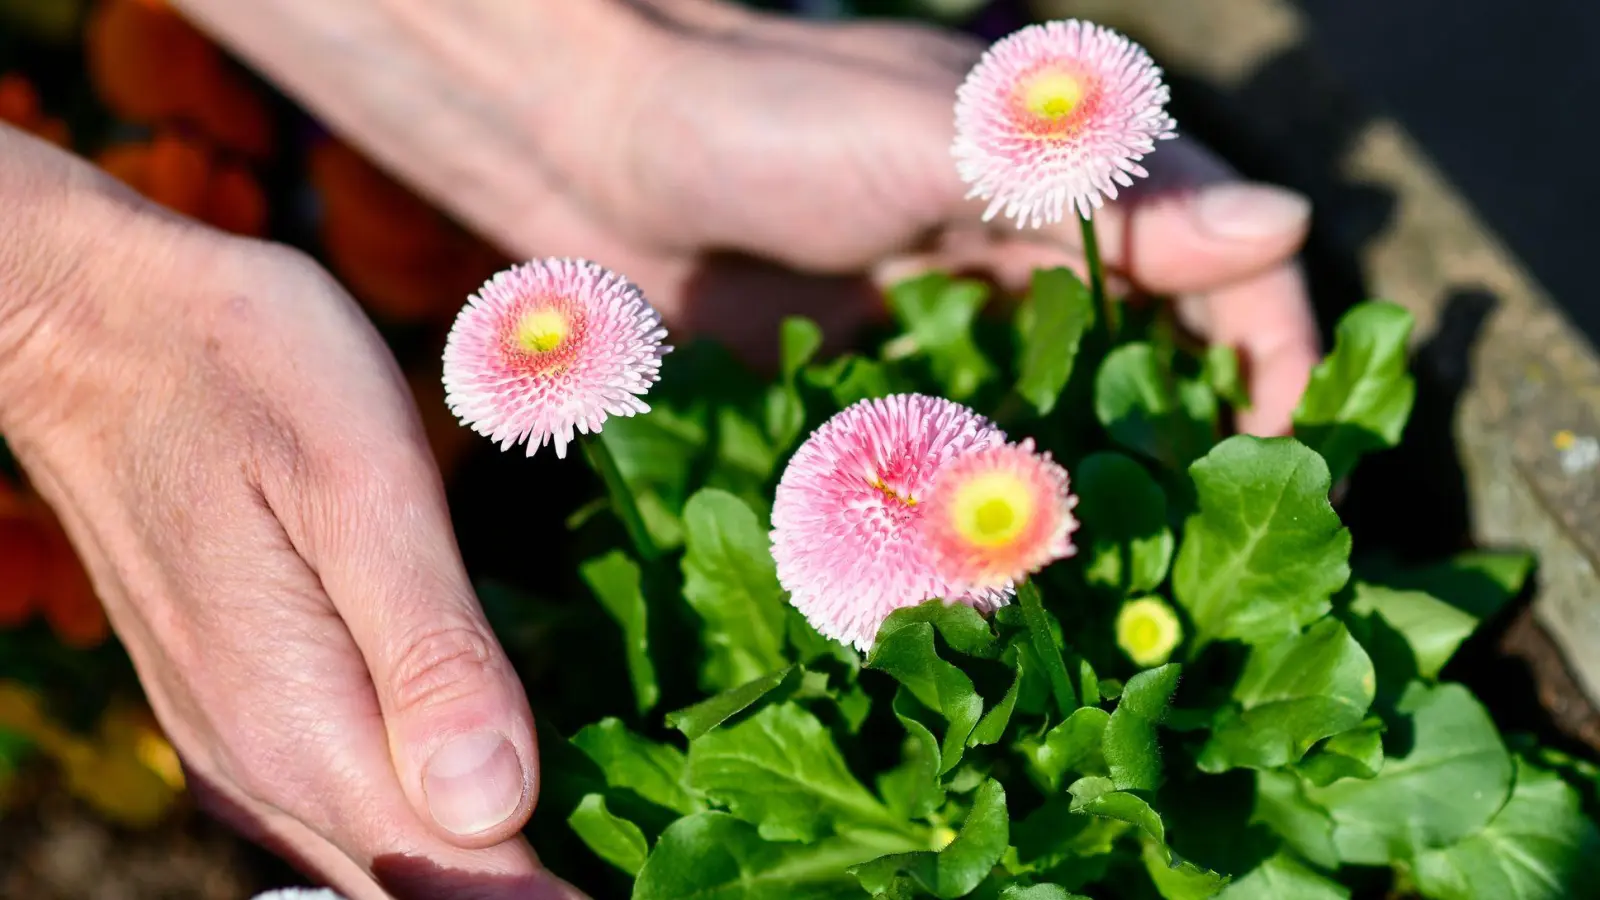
[850, 379]
[1282, 877]
[1479, 582]
[651, 770]
[612, 838]
[1124, 517]
[1453, 780]
[799, 339]
[908, 655]
[937, 313]
[957, 869]
[1132, 753]
[1046, 646]
[992, 726]
[732, 584]
[1053, 838]
[615, 580]
[700, 718]
[1072, 746]
[1221, 371]
[1360, 396]
[1282, 805]
[1147, 408]
[656, 455]
[1038, 892]
[1539, 846]
[1357, 753]
[1177, 879]
[1265, 551]
[714, 856]
[1089, 683]
[780, 770]
[1058, 311]
[744, 456]
[913, 788]
[1432, 628]
[1292, 694]
[962, 627]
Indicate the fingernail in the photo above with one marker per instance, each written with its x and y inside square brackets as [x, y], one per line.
[1247, 212]
[474, 783]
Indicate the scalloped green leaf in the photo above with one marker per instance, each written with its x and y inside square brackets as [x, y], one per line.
[1360, 396]
[1132, 752]
[781, 771]
[1264, 554]
[1292, 694]
[1539, 846]
[1454, 778]
[615, 580]
[1059, 311]
[957, 869]
[715, 856]
[908, 655]
[612, 838]
[731, 582]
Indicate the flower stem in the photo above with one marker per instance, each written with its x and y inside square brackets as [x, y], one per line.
[1097, 278]
[1046, 648]
[622, 502]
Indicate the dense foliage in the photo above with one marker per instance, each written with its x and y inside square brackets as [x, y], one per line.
[1301, 737]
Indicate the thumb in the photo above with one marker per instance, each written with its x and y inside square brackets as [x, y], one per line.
[1194, 225]
[461, 735]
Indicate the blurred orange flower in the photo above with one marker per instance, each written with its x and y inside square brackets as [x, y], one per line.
[151, 67]
[401, 257]
[40, 574]
[19, 106]
[127, 771]
[185, 175]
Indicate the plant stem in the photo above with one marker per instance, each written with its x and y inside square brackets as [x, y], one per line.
[1046, 648]
[1097, 279]
[622, 502]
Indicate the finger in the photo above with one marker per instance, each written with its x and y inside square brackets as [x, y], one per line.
[368, 514]
[460, 731]
[419, 871]
[1267, 319]
[1194, 225]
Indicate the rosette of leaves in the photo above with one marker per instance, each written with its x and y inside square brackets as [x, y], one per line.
[1306, 742]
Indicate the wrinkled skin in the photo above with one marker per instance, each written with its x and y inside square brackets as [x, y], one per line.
[238, 461]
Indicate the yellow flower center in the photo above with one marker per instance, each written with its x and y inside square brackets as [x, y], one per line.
[1148, 631]
[1052, 95]
[992, 509]
[542, 330]
[1143, 634]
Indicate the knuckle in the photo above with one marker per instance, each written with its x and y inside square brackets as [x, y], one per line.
[439, 666]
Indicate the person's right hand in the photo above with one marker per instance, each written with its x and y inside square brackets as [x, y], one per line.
[237, 459]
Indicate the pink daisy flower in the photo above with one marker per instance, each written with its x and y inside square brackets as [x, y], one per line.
[847, 518]
[997, 515]
[1055, 117]
[549, 347]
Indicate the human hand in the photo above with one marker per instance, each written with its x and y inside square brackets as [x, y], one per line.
[827, 147]
[239, 463]
[700, 148]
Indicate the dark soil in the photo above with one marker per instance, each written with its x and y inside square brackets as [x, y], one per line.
[55, 848]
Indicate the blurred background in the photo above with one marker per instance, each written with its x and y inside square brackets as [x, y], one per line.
[1440, 140]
